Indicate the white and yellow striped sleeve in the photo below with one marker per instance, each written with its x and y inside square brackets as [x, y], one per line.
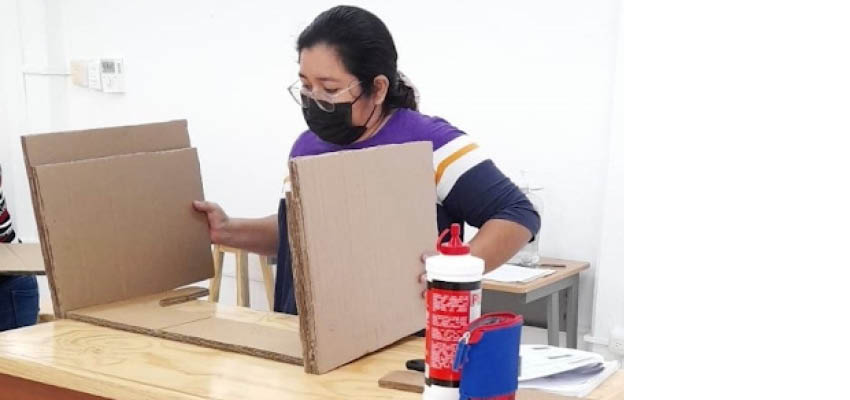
[452, 160]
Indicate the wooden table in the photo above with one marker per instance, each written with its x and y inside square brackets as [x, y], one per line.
[565, 278]
[99, 361]
[73, 360]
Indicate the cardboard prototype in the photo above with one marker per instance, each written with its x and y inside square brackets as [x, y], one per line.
[119, 235]
[358, 223]
[21, 259]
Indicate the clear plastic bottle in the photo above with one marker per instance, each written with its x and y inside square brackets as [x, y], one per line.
[529, 255]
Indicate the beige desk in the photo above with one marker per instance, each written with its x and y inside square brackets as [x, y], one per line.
[565, 278]
[73, 360]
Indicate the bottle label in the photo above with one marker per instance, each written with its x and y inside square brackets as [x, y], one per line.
[450, 306]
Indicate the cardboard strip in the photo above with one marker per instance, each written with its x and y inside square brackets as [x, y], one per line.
[193, 293]
[303, 294]
[62, 147]
[405, 381]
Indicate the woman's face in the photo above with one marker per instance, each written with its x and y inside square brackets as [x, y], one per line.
[321, 70]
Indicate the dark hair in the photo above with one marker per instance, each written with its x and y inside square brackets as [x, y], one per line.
[366, 48]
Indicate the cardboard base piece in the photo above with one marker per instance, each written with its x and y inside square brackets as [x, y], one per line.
[262, 334]
[21, 259]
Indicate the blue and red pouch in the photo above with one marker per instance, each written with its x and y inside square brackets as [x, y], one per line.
[488, 357]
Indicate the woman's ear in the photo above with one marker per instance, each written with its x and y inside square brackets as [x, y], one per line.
[381, 86]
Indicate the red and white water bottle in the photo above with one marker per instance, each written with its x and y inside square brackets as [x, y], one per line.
[453, 300]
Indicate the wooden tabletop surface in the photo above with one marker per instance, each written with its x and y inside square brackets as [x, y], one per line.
[563, 270]
[118, 364]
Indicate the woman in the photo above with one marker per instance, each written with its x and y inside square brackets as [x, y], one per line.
[18, 294]
[353, 97]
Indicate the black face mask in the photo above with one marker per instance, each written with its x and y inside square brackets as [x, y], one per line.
[333, 127]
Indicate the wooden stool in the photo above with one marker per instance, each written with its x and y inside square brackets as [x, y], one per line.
[242, 297]
[45, 308]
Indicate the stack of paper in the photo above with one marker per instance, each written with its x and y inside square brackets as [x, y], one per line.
[514, 274]
[566, 372]
[538, 361]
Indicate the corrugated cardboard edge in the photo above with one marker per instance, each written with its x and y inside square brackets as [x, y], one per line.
[44, 237]
[301, 274]
[76, 145]
[193, 293]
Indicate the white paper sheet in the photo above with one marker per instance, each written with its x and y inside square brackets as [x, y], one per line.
[514, 274]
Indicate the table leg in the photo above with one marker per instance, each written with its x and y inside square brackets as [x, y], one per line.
[572, 314]
[553, 320]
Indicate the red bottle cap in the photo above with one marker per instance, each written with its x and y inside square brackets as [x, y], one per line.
[455, 246]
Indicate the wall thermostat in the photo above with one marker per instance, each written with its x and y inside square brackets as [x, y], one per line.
[112, 75]
[104, 74]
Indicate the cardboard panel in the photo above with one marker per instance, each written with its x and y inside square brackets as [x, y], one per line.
[60, 147]
[122, 226]
[359, 221]
[118, 233]
[69, 146]
[21, 259]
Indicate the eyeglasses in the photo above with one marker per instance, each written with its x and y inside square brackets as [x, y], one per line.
[324, 100]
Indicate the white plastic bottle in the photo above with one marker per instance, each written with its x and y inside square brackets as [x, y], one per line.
[453, 300]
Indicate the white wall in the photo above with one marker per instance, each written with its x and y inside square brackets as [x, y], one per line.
[532, 84]
[608, 304]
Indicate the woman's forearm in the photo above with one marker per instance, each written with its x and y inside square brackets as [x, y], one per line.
[257, 235]
[497, 241]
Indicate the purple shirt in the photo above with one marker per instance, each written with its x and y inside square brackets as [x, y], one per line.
[469, 187]
[404, 126]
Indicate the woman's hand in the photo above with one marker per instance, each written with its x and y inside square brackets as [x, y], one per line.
[216, 218]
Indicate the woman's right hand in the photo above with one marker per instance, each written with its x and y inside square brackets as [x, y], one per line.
[216, 218]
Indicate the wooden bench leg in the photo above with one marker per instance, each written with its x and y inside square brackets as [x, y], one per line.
[243, 298]
[215, 282]
[268, 279]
